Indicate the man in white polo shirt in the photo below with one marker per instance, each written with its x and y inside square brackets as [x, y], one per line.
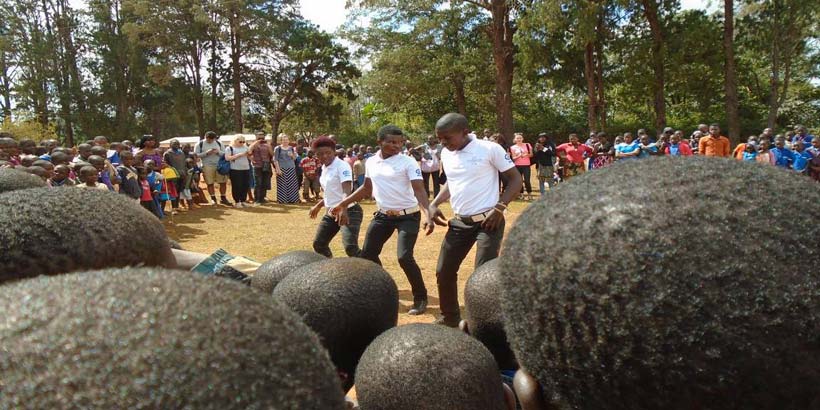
[472, 167]
[396, 183]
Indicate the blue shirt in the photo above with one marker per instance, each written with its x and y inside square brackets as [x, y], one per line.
[806, 140]
[749, 156]
[625, 148]
[801, 161]
[646, 149]
[783, 156]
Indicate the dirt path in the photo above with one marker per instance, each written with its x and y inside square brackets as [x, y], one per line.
[266, 231]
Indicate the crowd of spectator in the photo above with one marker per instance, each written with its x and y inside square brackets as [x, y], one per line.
[168, 179]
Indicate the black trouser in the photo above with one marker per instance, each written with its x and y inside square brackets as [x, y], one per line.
[328, 228]
[525, 173]
[380, 230]
[436, 187]
[458, 241]
[180, 185]
[262, 176]
[240, 184]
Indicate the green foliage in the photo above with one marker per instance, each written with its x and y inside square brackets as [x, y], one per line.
[29, 129]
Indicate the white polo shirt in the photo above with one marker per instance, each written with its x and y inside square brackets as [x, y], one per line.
[332, 177]
[391, 180]
[472, 175]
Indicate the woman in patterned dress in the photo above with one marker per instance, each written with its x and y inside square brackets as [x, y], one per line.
[284, 161]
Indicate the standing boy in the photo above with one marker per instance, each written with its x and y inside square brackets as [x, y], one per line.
[472, 167]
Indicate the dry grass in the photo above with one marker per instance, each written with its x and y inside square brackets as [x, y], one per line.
[266, 231]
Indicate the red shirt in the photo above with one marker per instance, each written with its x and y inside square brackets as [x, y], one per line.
[309, 167]
[574, 153]
[147, 195]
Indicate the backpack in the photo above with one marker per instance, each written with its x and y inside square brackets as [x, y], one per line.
[223, 167]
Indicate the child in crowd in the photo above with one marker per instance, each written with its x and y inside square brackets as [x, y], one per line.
[129, 176]
[88, 178]
[149, 192]
[155, 183]
[484, 321]
[750, 153]
[677, 147]
[192, 183]
[311, 181]
[48, 167]
[61, 176]
[764, 155]
[358, 172]
[427, 366]
[106, 173]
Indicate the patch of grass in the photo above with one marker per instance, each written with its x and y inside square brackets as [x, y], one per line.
[269, 230]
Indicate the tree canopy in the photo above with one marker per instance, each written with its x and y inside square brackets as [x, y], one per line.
[123, 68]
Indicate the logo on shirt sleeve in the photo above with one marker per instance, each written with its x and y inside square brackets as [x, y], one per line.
[418, 172]
[507, 157]
[345, 173]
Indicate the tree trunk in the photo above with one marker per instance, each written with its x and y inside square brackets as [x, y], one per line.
[6, 82]
[501, 33]
[592, 95]
[275, 121]
[774, 80]
[196, 64]
[214, 86]
[236, 69]
[650, 9]
[731, 81]
[460, 98]
[599, 76]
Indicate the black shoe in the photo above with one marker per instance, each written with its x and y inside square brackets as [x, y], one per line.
[225, 202]
[448, 321]
[418, 308]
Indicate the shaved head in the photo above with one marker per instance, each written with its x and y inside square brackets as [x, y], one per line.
[452, 121]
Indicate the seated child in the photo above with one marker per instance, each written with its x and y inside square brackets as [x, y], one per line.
[427, 366]
[678, 316]
[482, 302]
[156, 338]
[50, 231]
[89, 177]
[347, 302]
[12, 179]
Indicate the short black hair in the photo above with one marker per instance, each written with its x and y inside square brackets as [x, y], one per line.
[482, 302]
[427, 366]
[386, 130]
[323, 142]
[84, 146]
[58, 156]
[14, 179]
[452, 121]
[210, 134]
[270, 273]
[52, 231]
[669, 311]
[154, 338]
[99, 150]
[145, 138]
[347, 301]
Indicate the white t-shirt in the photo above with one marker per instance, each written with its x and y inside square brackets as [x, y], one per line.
[241, 163]
[331, 180]
[391, 181]
[472, 175]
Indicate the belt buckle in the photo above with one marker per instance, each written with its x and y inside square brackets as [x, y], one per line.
[392, 213]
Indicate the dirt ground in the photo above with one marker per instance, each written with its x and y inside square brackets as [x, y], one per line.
[266, 231]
